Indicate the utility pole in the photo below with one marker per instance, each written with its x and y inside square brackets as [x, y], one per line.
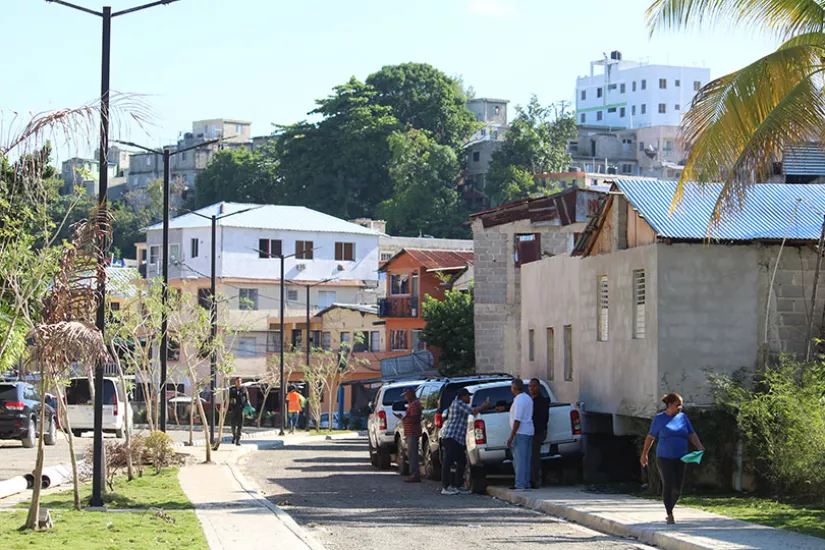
[106, 15]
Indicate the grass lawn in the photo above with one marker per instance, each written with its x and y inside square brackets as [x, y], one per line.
[114, 531]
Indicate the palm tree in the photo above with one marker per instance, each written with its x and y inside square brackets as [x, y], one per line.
[740, 123]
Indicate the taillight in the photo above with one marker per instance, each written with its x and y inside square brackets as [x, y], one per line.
[116, 403]
[480, 432]
[15, 406]
[382, 419]
[439, 420]
[575, 422]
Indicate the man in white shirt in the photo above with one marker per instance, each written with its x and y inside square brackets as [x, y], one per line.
[521, 434]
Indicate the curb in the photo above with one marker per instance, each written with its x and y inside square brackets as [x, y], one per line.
[647, 535]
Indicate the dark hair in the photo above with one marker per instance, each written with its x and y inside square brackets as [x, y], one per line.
[670, 398]
[536, 380]
[519, 384]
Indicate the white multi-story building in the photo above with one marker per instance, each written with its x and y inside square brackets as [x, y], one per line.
[630, 94]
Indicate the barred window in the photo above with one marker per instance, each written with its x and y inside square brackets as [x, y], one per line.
[639, 295]
[602, 309]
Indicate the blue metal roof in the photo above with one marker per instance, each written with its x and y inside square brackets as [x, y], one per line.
[804, 160]
[768, 209]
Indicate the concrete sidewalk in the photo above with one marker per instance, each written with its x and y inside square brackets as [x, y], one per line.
[643, 519]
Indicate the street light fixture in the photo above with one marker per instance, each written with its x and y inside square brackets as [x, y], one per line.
[164, 297]
[213, 305]
[106, 15]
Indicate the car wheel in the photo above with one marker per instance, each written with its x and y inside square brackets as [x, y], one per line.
[77, 433]
[31, 435]
[373, 455]
[383, 460]
[432, 468]
[401, 457]
[50, 437]
[475, 479]
[119, 434]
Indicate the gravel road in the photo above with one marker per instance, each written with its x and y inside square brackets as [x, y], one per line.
[331, 489]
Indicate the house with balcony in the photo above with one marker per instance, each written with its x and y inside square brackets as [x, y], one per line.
[411, 276]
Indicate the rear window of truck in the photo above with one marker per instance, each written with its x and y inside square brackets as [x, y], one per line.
[392, 395]
[501, 397]
[78, 392]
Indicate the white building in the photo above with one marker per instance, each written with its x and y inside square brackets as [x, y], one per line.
[630, 94]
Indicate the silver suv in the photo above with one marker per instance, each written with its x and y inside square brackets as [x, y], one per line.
[381, 422]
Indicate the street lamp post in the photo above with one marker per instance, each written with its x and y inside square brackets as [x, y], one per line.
[106, 15]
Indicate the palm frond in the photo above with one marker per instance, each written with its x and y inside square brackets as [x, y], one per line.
[780, 18]
[740, 123]
[59, 344]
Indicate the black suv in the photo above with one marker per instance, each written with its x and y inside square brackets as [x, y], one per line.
[20, 414]
[436, 396]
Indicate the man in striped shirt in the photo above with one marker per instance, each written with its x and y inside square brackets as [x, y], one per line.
[454, 442]
[412, 432]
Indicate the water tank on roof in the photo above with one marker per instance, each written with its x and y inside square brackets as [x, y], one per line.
[616, 54]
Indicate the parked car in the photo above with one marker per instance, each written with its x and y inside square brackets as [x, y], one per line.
[381, 422]
[487, 434]
[20, 414]
[436, 395]
[324, 422]
[80, 408]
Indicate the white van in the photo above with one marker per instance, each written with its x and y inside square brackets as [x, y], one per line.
[81, 411]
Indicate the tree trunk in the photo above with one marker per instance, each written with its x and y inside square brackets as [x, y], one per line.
[263, 406]
[192, 418]
[196, 399]
[32, 522]
[70, 438]
[127, 422]
[221, 421]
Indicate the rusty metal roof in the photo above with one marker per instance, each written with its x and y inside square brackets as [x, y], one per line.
[435, 260]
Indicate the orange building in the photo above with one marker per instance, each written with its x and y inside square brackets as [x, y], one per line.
[411, 276]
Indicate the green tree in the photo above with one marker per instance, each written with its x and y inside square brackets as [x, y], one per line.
[536, 143]
[238, 176]
[450, 328]
[425, 200]
[739, 123]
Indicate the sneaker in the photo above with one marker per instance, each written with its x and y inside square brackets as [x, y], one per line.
[463, 491]
[449, 491]
[238, 443]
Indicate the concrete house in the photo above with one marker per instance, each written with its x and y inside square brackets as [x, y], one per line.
[506, 238]
[648, 300]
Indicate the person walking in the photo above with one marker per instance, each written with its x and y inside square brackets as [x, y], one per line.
[238, 399]
[412, 432]
[295, 403]
[454, 441]
[521, 434]
[541, 420]
[673, 429]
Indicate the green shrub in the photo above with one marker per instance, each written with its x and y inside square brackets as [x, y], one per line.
[160, 450]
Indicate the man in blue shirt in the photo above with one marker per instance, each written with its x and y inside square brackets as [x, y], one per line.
[454, 441]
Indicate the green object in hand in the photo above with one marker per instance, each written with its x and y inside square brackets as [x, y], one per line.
[249, 411]
[695, 457]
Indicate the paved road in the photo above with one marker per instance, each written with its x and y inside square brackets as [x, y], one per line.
[331, 489]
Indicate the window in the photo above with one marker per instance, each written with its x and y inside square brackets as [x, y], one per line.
[633, 110]
[551, 353]
[304, 250]
[678, 83]
[154, 254]
[362, 342]
[326, 298]
[418, 343]
[193, 251]
[531, 344]
[583, 118]
[611, 110]
[398, 340]
[663, 83]
[183, 157]
[269, 248]
[697, 85]
[634, 86]
[375, 340]
[622, 112]
[248, 299]
[568, 352]
[622, 88]
[602, 309]
[627, 168]
[644, 108]
[239, 128]
[584, 95]
[400, 284]
[573, 146]
[148, 161]
[292, 295]
[662, 108]
[598, 92]
[476, 156]
[344, 252]
[315, 339]
[205, 298]
[246, 346]
[611, 87]
[639, 303]
[386, 256]
[599, 115]
[526, 248]
[273, 341]
[345, 340]
[174, 253]
[297, 339]
[326, 341]
[668, 145]
[644, 84]
[677, 107]
[172, 349]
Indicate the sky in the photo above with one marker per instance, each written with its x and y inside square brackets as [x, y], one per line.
[267, 61]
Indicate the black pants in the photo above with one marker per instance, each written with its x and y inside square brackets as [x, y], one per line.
[237, 425]
[672, 471]
[454, 453]
[535, 459]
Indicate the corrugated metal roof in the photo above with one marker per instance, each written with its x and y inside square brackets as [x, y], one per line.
[362, 308]
[441, 259]
[804, 160]
[767, 211]
[267, 216]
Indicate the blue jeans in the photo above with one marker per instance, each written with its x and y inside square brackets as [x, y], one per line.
[293, 420]
[522, 448]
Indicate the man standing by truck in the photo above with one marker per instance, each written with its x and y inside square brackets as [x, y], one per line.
[454, 441]
[541, 418]
[412, 432]
[521, 434]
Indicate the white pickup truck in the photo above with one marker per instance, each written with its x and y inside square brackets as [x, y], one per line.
[487, 434]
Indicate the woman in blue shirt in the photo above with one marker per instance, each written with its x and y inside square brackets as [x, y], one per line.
[674, 431]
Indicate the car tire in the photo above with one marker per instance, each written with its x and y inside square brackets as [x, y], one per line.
[119, 434]
[31, 435]
[432, 467]
[383, 460]
[77, 433]
[50, 437]
[373, 455]
[476, 479]
[401, 457]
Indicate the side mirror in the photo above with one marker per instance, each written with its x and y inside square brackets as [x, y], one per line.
[399, 406]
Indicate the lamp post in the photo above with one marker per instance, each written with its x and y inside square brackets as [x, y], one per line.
[106, 15]
[164, 296]
[213, 306]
